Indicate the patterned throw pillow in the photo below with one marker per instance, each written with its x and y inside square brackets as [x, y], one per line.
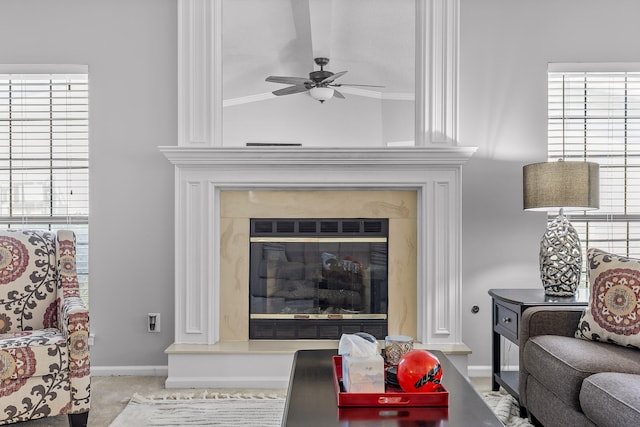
[613, 314]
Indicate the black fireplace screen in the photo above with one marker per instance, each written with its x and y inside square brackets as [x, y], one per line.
[317, 278]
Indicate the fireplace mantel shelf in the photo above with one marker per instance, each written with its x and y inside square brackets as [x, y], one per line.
[282, 156]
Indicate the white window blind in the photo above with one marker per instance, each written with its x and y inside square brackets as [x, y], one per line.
[44, 156]
[594, 115]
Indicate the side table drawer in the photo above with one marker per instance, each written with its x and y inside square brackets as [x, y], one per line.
[505, 322]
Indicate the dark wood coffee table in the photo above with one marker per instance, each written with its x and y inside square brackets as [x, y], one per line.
[311, 400]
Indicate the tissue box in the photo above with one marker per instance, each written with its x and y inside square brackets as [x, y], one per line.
[363, 374]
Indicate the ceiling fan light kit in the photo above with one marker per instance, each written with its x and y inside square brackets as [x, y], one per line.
[321, 93]
[320, 84]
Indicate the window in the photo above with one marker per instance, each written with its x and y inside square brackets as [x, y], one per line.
[44, 154]
[594, 115]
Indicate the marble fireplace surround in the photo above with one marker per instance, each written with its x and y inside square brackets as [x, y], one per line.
[217, 189]
[238, 207]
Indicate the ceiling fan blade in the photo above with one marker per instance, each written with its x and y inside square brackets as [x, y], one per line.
[349, 84]
[338, 94]
[334, 77]
[290, 90]
[288, 80]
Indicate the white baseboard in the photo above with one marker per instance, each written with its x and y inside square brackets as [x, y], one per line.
[162, 371]
[134, 371]
[267, 382]
[485, 370]
[479, 371]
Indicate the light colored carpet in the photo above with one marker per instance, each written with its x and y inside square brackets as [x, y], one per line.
[505, 407]
[223, 409]
[208, 409]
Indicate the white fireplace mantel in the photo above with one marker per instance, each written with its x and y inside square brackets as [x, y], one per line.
[203, 173]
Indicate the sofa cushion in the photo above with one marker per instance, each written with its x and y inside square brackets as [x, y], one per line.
[611, 399]
[550, 412]
[562, 363]
[30, 354]
[613, 314]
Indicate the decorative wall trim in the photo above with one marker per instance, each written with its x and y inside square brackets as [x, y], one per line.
[437, 72]
[200, 73]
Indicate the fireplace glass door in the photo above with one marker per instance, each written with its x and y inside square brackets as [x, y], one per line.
[317, 278]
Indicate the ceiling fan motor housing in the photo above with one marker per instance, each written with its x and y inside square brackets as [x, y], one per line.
[318, 76]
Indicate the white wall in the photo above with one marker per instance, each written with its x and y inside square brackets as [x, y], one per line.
[130, 47]
[356, 121]
[352, 122]
[504, 51]
[131, 50]
[398, 118]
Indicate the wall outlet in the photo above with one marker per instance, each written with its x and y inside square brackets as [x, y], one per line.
[153, 322]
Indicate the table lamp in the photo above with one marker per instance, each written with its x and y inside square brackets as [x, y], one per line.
[562, 186]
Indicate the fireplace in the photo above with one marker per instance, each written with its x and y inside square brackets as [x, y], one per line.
[219, 191]
[317, 278]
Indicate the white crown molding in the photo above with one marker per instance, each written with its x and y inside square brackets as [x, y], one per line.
[200, 100]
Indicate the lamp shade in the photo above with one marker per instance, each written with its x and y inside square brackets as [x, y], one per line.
[321, 93]
[561, 185]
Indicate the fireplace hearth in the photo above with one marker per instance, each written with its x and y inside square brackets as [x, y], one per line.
[318, 278]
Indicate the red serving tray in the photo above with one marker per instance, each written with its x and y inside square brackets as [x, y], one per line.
[431, 414]
[392, 397]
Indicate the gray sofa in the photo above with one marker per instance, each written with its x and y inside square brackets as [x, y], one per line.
[565, 381]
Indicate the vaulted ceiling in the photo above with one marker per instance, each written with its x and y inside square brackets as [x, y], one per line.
[374, 40]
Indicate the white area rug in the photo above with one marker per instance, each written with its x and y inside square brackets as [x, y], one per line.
[209, 409]
[251, 410]
[506, 408]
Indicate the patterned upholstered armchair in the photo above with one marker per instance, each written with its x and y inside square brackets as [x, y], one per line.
[44, 329]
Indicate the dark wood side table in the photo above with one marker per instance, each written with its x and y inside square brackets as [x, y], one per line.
[508, 307]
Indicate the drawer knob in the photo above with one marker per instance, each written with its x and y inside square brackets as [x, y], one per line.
[506, 320]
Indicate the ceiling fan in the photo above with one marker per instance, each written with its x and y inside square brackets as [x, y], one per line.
[319, 84]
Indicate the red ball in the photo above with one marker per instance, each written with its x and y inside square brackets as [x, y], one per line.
[419, 371]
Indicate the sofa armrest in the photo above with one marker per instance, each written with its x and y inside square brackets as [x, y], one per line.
[544, 320]
[549, 320]
[73, 319]
[75, 316]
[74, 324]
